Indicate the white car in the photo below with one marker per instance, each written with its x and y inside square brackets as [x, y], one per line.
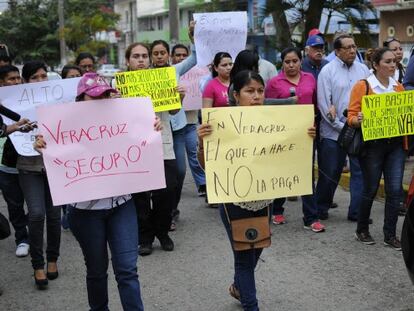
[107, 70]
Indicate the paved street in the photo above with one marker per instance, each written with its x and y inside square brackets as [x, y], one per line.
[301, 270]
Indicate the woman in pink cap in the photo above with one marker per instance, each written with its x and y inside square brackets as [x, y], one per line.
[111, 222]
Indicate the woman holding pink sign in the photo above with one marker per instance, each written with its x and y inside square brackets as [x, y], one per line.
[111, 222]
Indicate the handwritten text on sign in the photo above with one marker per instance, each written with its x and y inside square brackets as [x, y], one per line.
[158, 84]
[388, 115]
[101, 148]
[219, 32]
[24, 99]
[258, 153]
[193, 98]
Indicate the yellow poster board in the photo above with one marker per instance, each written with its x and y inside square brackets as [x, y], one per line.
[388, 115]
[158, 84]
[258, 153]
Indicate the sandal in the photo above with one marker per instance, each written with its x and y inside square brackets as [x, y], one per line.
[234, 292]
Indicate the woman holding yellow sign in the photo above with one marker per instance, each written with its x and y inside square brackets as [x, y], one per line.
[380, 156]
[246, 223]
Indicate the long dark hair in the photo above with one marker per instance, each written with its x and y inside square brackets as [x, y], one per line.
[31, 67]
[217, 59]
[245, 60]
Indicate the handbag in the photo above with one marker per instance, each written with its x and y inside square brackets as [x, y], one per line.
[249, 233]
[350, 139]
[4, 227]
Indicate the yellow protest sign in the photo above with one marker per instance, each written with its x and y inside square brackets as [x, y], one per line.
[388, 115]
[158, 84]
[258, 153]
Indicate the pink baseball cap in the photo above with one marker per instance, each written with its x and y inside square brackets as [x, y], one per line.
[314, 32]
[93, 85]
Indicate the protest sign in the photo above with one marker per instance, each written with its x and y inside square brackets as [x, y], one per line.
[219, 32]
[258, 153]
[388, 115]
[101, 148]
[158, 84]
[24, 99]
[193, 99]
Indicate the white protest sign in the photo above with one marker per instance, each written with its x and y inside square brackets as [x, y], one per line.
[24, 99]
[219, 32]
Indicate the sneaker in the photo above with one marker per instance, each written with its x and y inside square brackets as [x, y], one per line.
[166, 243]
[22, 250]
[364, 237]
[202, 191]
[145, 249]
[315, 227]
[279, 219]
[393, 243]
[64, 222]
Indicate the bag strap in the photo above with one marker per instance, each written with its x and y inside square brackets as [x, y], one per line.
[228, 217]
[367, 86]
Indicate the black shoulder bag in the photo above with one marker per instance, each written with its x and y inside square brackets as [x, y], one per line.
[350, 139]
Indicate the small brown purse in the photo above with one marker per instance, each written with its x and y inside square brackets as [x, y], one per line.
[250, 233]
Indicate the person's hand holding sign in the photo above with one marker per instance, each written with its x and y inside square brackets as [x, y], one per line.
[312, 132]
[191, 31]
[356, 122]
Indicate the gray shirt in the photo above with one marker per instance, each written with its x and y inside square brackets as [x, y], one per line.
[335, 83]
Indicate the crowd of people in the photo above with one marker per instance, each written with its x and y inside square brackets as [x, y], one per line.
[129, 224]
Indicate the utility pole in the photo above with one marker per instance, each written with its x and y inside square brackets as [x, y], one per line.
[174, 21]
[62, 42]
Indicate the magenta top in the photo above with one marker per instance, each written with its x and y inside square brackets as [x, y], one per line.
[280, 87]
[217, 91]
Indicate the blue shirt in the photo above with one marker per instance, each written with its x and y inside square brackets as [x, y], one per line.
[309, 66]
[179, 120]
[335, 83]
[408, 81]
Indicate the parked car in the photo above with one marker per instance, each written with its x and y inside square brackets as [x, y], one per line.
[107, 70]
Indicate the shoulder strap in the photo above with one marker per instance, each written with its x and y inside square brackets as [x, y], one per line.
[367, 86]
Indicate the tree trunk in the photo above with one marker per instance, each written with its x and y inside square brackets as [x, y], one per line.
[174, 21]
[283, 36]
[312, 16]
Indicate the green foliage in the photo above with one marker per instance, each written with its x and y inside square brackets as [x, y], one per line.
[30, 28]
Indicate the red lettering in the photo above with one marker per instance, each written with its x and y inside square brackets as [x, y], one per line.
[55, 137]
[123, 128]
[89, 135]
[95, 163]
[117, 157]
[68, 165]
[102, 130]
[73, 137]
[131, 150]
[80, 166]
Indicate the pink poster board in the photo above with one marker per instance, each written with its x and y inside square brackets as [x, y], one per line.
[192, 99]
[101, 148]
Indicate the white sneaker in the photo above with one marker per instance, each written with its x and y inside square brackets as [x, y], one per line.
[22, 250]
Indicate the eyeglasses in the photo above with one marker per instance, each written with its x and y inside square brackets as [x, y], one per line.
[348, 48]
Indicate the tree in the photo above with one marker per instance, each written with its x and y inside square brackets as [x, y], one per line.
[306, 14]
[30, 28]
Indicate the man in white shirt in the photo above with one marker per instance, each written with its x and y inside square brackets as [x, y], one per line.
[335, 82]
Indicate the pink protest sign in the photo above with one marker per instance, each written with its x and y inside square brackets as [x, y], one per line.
[101, 148]
[192, 99]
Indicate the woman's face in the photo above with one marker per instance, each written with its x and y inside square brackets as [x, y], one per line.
[224, 67]
[139, 58]
[386, 66]
[291, 64]
[39, 76]
[396, 48]
[86, 65]
[252, 94]
[160, 56]
[73, 73]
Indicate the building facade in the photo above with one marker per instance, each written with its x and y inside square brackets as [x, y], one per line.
[397, 20]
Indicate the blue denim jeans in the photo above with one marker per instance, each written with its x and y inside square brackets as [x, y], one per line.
[36, 192]
[331, 160]
[13, 195]
[383, 156]
[244, 261]
[185, 142]
[118, 228]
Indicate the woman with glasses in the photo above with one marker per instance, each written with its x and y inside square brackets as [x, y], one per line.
[395, 46]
